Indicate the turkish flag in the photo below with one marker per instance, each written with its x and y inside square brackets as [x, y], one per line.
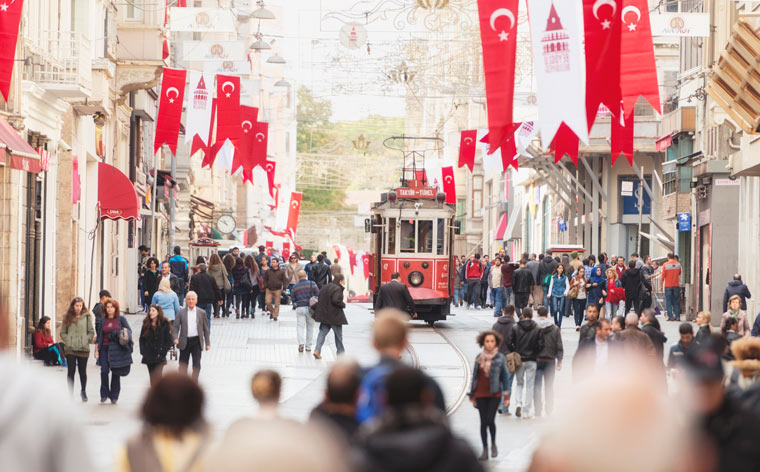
[275, 194]
[244, 157]
[285, 250]
[270, 167]
[351, 259]
[365, 262]
[259, 143]
[565, 142]
[228, 110]
[509, 154]
[170, 109]
[293, 211]
[269, 245]
[449, 185]
[10, 17]
[336, 248]
[638, 73]
[498, 34]
[467, 145]
[622, 139]
[601, 19]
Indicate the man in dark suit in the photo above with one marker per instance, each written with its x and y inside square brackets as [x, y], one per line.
[191, 333]
[394, 294]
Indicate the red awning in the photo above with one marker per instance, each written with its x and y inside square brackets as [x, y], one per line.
[22, 155]
[501, 228]
[117, 197]
[664, 142]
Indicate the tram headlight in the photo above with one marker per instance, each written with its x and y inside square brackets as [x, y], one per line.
[416, 278]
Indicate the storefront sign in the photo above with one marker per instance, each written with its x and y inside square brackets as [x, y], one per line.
[407, 192]
[684, 222]
[726, 182]
[680, 24]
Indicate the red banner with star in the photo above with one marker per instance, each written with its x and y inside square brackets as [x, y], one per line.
[467, 146]
[10, 17]
[601, 20]
[638, 72]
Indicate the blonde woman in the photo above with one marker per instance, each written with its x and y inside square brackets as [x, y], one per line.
[167, 299]
[615, 294]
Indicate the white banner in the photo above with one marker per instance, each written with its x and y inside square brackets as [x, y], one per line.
[214, 51]
[556, 34]
[198, 106]
[227, 67]
[202, 20]
[680, 24]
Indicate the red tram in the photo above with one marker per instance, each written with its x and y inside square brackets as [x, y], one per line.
[413, 233]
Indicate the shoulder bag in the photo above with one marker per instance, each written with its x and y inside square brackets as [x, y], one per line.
[514, 362]
[227, 285]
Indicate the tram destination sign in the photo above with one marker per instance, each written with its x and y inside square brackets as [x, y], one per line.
[409, 192]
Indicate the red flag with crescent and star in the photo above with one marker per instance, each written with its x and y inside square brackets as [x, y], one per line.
[293, 211]
[170, 109]
[285, 250]
[259, 143]
[449, 184]
[10, 17]
[228, 110]
[244, 157]
[270, 167]
[467, 146]
[498, 34]
[365, 262]
[601, 20]
[638, 72]
[351, 258]
[621, 139]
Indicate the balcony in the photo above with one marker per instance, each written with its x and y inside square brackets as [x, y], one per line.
[139, 52]
[61, 64]
[678, 120]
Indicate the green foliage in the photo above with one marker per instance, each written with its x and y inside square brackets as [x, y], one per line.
[323, 199]
[313, 115]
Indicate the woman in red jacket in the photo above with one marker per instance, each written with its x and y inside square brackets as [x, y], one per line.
[44, 347]
[615, 294]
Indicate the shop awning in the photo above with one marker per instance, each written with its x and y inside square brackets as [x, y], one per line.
[664, 142]
[501, 228]
[117, 198]
[22, 155]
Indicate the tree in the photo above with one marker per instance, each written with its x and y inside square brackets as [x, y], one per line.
[313, 117]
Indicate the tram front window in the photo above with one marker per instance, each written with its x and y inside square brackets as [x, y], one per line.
[391, 236]
[425, 236]
[406, 239]
[441, 236]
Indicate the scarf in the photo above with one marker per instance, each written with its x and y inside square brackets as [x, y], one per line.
[485, 359]
[734, 314]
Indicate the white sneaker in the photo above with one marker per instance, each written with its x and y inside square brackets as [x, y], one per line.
[527, 416]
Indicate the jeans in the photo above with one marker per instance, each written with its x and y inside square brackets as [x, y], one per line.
[473, 292]
[484, 292]
[545, 289]
[507, 295]
[497, 295]
[579, 304]
[113, 390]
[325, 328]
[557, 309]
[304, 326]
[673, 303]
[194, 348]
[611, 309]
[209, 309]
[459, 295]
[545, 374]
[526, 382]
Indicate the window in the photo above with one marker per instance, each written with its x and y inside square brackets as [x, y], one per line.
[461, 212]
[425, 236]
[440, 242]
[391, 236]
[668, 183]
[477, 194]
[135, 9]
[406, 239]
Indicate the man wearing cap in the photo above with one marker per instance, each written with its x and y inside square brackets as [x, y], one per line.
[207, 289]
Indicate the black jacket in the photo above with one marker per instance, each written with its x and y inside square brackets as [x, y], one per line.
[736, 287]
[703, 334]
[330, 305]
[551, 340]
[587, 335]
[204, 285]
[632, 283]
[415, 439]
[320, 274]
[504, 326]
[395, 295]
[150, 283]
[658, 339]
[155, 343]
[347, 424]
[733, 431]
[546, 266]
[526, 340]
[522, 280]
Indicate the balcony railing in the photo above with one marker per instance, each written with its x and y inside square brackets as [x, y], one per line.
[62, 64]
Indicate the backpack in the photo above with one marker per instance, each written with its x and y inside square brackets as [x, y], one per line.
[370, 403]
[514, 362]
[547, 280]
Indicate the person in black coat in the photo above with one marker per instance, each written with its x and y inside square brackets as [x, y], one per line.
[339, 406]
[329, 314]
[151, 277]
[205, 286]
[155, 341]
[395, 294]
[633, 283]
[320, 272]
[736, 287]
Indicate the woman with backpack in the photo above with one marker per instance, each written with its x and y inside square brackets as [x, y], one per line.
[77, 333]
[558, 288]
[219, 273]
[241, 285]
[489, 383]
[114, 351]
[578, 294]
[155, 341]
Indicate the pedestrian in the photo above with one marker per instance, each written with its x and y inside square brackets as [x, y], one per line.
[44, 347]
[534, 266]
[546, 268]
[744, 376]
[219, 272]
[522, 284]
[338, 409]
[671, 275]
[114, 351]
[335, 268]
[647, 272]
[677, 351]
[615, 295]
[756, 326]
[577, 293]
[263, 268]
[603, 263]
[588, 330]
[548, 360]
[704, 330]
[594, 357]
[633, 283]
[635, 257]
[266, 386]
[489, 382]
[617, 325]
[735, 311]
[174, 434]
[320, 272]
[395, 294]
[291, 271]
[620, 266]
[729, 329]
[242, 285]
[504, 325]
[310, 265]
[507, 278]
[473, 273]
[525, 340]
[651, 327]
[329, 313]
[736, 287]
[209, 293]
[575, 260]
[173, 280]
[413, 434]
[633, 340]
[496, 284]
[596, 287]
[97, 310]
[229, 300]
[485, 263]
[301, 295]
[257, 281]
[275, 281]
[261, 256]
[155, 342]
[191, 333]
[558, 289]
[150, 280]
[167, 300]
[77, 334]
[459, 291]
[179, 267]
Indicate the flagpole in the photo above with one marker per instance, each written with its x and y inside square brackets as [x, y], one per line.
[173, 204]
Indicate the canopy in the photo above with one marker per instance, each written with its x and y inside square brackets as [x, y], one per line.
[117, 198]
[22, 155]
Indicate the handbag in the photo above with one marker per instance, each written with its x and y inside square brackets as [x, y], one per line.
[227, 285]
[124, 337]
[573, 292]
[514, 362]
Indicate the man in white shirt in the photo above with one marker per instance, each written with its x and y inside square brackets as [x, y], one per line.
[602, 345]
[191, 333]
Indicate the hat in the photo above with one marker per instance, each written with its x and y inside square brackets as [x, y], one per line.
[202, 267]
[703, 361]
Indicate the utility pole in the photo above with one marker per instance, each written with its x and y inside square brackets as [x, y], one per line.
[173, 204]
[641, 211]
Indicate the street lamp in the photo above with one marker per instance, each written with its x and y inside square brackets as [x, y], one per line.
[260, 44]
[276, 59]
[282, 83]
[262, 13]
